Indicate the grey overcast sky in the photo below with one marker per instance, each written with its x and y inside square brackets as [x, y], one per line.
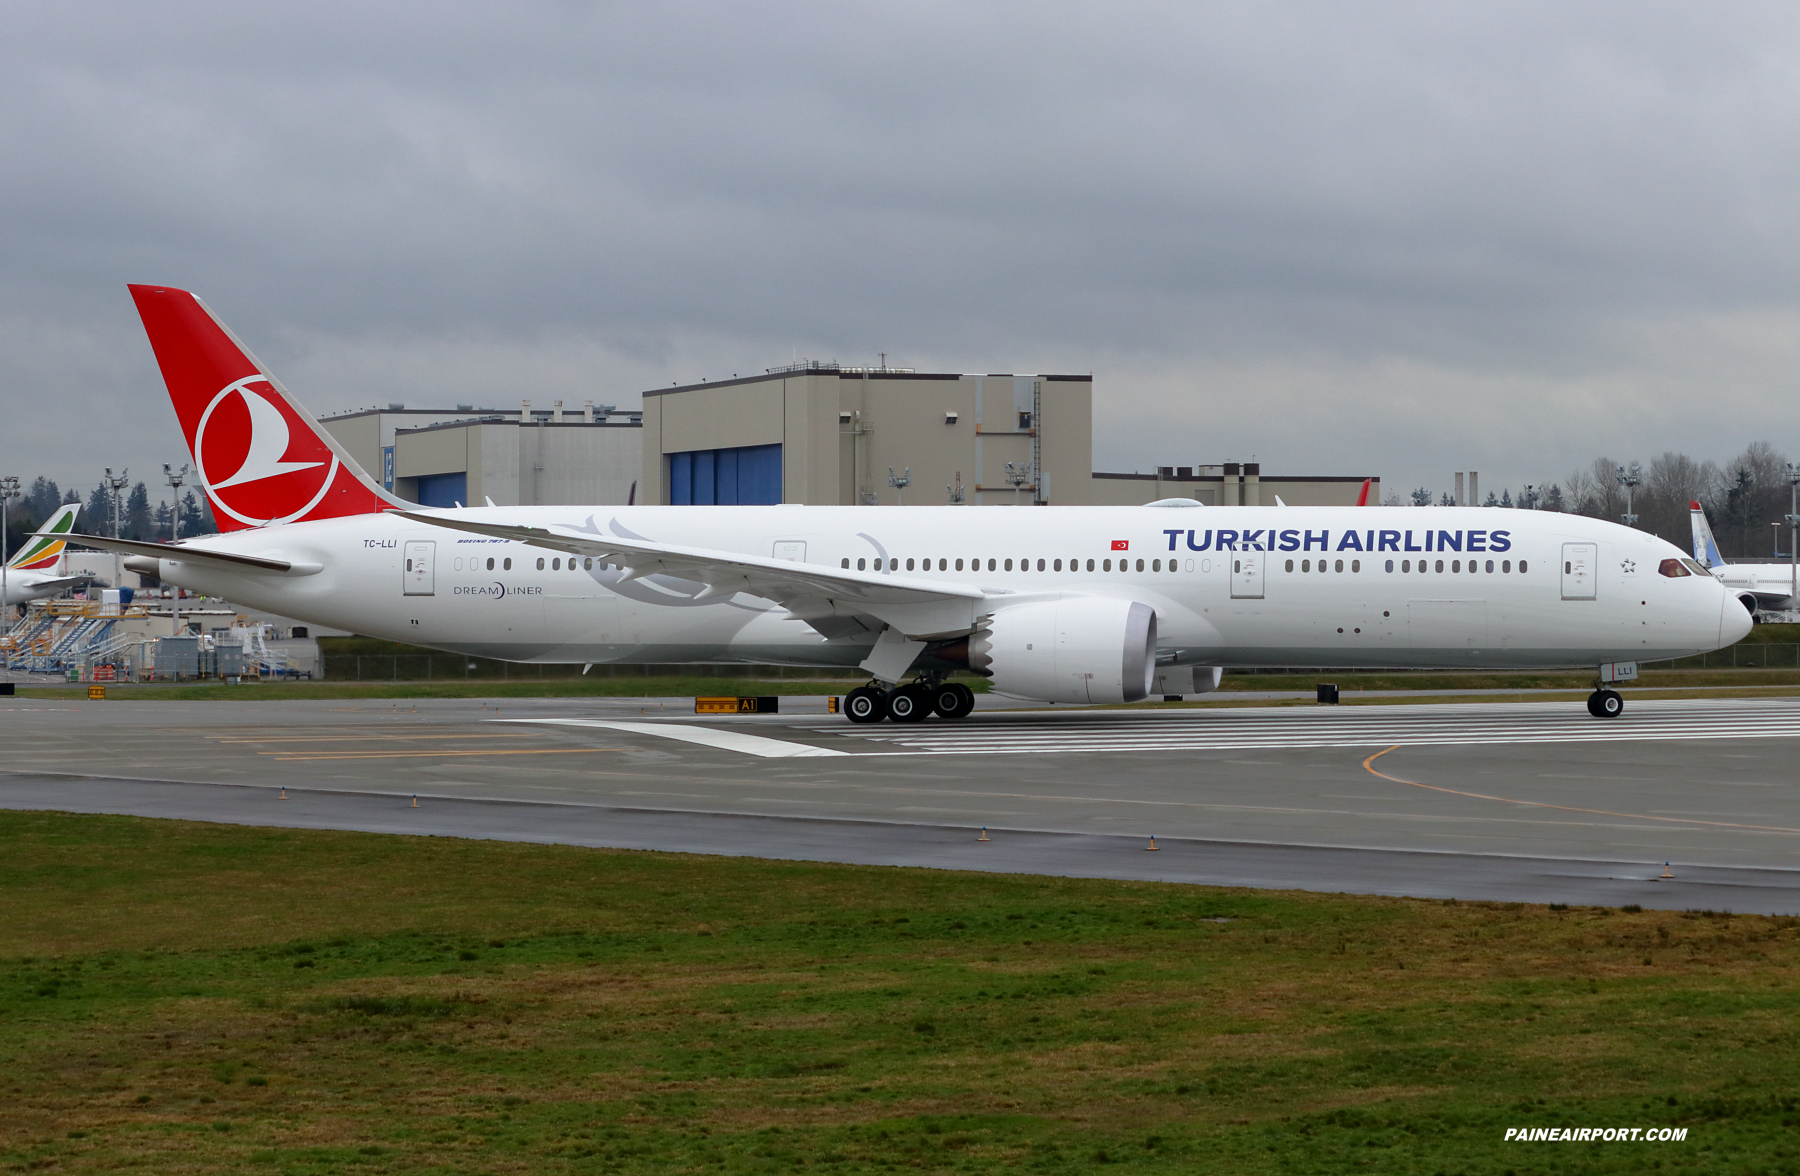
[1392, 238]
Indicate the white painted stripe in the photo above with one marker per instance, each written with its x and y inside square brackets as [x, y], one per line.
[1649, 721]
[707, 736]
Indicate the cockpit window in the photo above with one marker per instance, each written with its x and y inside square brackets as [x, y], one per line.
[1696, 567]
[1673, 569]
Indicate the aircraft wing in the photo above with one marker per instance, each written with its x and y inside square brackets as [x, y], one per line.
[918, 609]
[183, 553]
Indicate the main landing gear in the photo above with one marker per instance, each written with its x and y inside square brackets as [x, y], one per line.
[909, 704]
[1605, 704]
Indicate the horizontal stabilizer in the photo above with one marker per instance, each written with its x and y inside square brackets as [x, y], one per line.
[187, 554]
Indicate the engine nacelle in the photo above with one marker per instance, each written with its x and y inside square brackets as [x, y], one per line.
[1077, 649]
[1749, 602]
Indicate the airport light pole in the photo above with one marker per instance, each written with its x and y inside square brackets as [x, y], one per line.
[1793, 522]
[9, 490]
[117, 484]
[1628, 478]
[955, 493]
[900, 482]
[175, 478]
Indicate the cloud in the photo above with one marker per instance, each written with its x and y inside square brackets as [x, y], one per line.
[1391, 238]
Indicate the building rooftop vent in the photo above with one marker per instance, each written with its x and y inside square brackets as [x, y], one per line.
[805, 365]
[395, 406]
[465, 408]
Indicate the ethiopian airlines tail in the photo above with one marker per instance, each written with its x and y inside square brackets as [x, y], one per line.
[261, 457]
[45, 547]
[1706, 549]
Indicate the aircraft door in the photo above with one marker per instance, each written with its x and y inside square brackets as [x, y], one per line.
[1247, 575]
[417, 577]
[792, 550]
[1580, 560]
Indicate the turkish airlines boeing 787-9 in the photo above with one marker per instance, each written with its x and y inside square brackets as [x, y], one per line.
[1062, 604]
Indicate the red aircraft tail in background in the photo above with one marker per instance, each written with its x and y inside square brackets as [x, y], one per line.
[1363, 498]
[261, 457]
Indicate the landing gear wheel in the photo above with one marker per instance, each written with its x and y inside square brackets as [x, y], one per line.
[909, 704]
[865, 704]
[1606, 704]
[953, 700]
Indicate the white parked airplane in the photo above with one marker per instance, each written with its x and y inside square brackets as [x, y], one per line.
[1063, 604]
[33, 573]
[1761, 587]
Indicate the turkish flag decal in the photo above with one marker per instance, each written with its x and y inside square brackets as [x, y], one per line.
[1121, 545]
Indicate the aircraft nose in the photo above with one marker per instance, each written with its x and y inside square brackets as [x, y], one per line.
[1734, 621]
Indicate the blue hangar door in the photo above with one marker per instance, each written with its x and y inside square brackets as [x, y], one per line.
[747, 476]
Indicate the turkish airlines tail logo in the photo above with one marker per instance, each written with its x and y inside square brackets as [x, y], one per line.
[261, 458]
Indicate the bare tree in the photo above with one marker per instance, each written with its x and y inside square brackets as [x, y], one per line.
[1673, 481]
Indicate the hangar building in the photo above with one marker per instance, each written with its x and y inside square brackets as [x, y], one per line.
[824, 434]
[522, 457]
[810, 433]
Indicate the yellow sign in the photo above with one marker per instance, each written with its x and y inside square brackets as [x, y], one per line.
[96, 691]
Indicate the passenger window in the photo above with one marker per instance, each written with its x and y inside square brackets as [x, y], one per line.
[1009, 565]
[1339, 567]
[1105, 565]
[909, 565]
[1456, 565]
[1506, 565]
[991, 564]
[1440, 565]
[1290, 565]
[490, 563]
[587, 565]
[1390, 565]
[1306, 565]
[506, 564]
[1405, 565]
[944, 565]
[1140, 566]
[1041, 565]
[540, 566]
[860, 563]
[1057, 566]
[1237, 565]
[1090, 566]
[1490, 565]
[1521, 567]
[846, 562]
[1356, 565]
[1672, 568]
[1566, 567]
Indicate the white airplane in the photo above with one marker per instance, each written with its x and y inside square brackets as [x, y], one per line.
[1761, 587]
[1062, 604]
[33, 573]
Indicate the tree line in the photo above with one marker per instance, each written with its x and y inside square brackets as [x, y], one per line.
[138, 518]
[1746, 499]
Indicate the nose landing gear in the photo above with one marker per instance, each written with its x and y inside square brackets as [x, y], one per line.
[1606, 704]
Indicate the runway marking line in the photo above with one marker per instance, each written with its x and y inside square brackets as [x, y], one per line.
[289, 757]
[355, 738]
[1369, 764]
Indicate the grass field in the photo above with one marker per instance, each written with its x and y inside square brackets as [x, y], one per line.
[197, 998]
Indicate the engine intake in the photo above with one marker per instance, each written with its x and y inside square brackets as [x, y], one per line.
[1076, 649]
